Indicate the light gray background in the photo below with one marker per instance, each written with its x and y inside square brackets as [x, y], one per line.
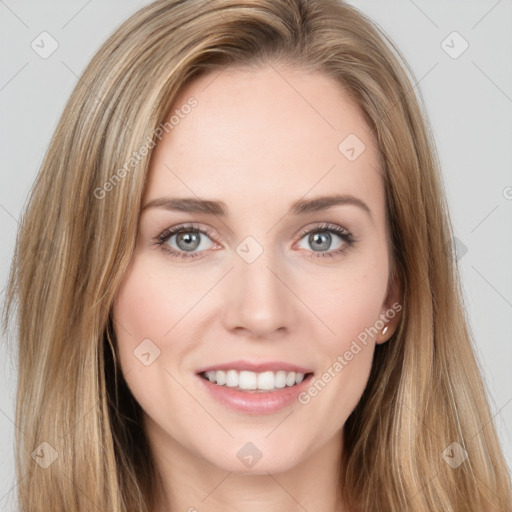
[468, 99]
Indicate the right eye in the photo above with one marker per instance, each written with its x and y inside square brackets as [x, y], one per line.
[188, 239]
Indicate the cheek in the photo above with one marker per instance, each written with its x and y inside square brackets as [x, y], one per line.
[350, 300]
[347, 353]
[139, 308]
[143, 311]
[349, 306]
[150, 302]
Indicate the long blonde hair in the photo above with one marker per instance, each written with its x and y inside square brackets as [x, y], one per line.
[77, 236]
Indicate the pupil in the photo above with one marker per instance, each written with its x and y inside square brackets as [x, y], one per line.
[188, 238]
[315, 237]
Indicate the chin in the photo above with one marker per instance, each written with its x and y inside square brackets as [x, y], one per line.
[254, 459]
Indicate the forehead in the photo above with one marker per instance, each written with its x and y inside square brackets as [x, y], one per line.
[265, 135]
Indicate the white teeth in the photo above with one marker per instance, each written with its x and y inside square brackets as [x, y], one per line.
[221, 377]
[265, 380]
[280, 381]
[231, 379]
[246, 380]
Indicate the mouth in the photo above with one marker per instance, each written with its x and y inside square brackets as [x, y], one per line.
[255, 382]
[255, 388]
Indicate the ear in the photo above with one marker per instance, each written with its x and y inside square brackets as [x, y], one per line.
[391, 312]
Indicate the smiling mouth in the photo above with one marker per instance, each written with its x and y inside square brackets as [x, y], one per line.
[254, 382]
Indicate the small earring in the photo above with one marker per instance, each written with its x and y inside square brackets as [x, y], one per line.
[384, 330]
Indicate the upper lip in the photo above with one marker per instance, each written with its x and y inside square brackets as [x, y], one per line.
[259, 367]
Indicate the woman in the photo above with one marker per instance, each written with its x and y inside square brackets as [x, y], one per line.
[235, 281]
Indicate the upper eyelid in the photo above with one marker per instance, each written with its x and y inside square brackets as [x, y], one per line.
[323, 226]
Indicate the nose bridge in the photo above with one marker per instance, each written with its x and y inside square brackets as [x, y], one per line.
[257, 297]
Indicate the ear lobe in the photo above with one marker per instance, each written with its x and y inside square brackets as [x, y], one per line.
[391, 310]
[384, 335]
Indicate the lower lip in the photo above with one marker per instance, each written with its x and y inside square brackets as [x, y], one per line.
[256, 402]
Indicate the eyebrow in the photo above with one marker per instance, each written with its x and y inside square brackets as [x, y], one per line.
[219, 208]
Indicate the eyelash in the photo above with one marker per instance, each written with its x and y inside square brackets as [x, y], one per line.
[163, 237]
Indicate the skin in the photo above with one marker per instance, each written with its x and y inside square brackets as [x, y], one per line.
[257, 140]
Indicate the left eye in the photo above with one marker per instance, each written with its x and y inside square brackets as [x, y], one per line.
[321, 240]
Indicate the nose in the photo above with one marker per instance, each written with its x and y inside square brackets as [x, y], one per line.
[259, 301]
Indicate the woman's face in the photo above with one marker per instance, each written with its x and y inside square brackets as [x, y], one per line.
[247, 281]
